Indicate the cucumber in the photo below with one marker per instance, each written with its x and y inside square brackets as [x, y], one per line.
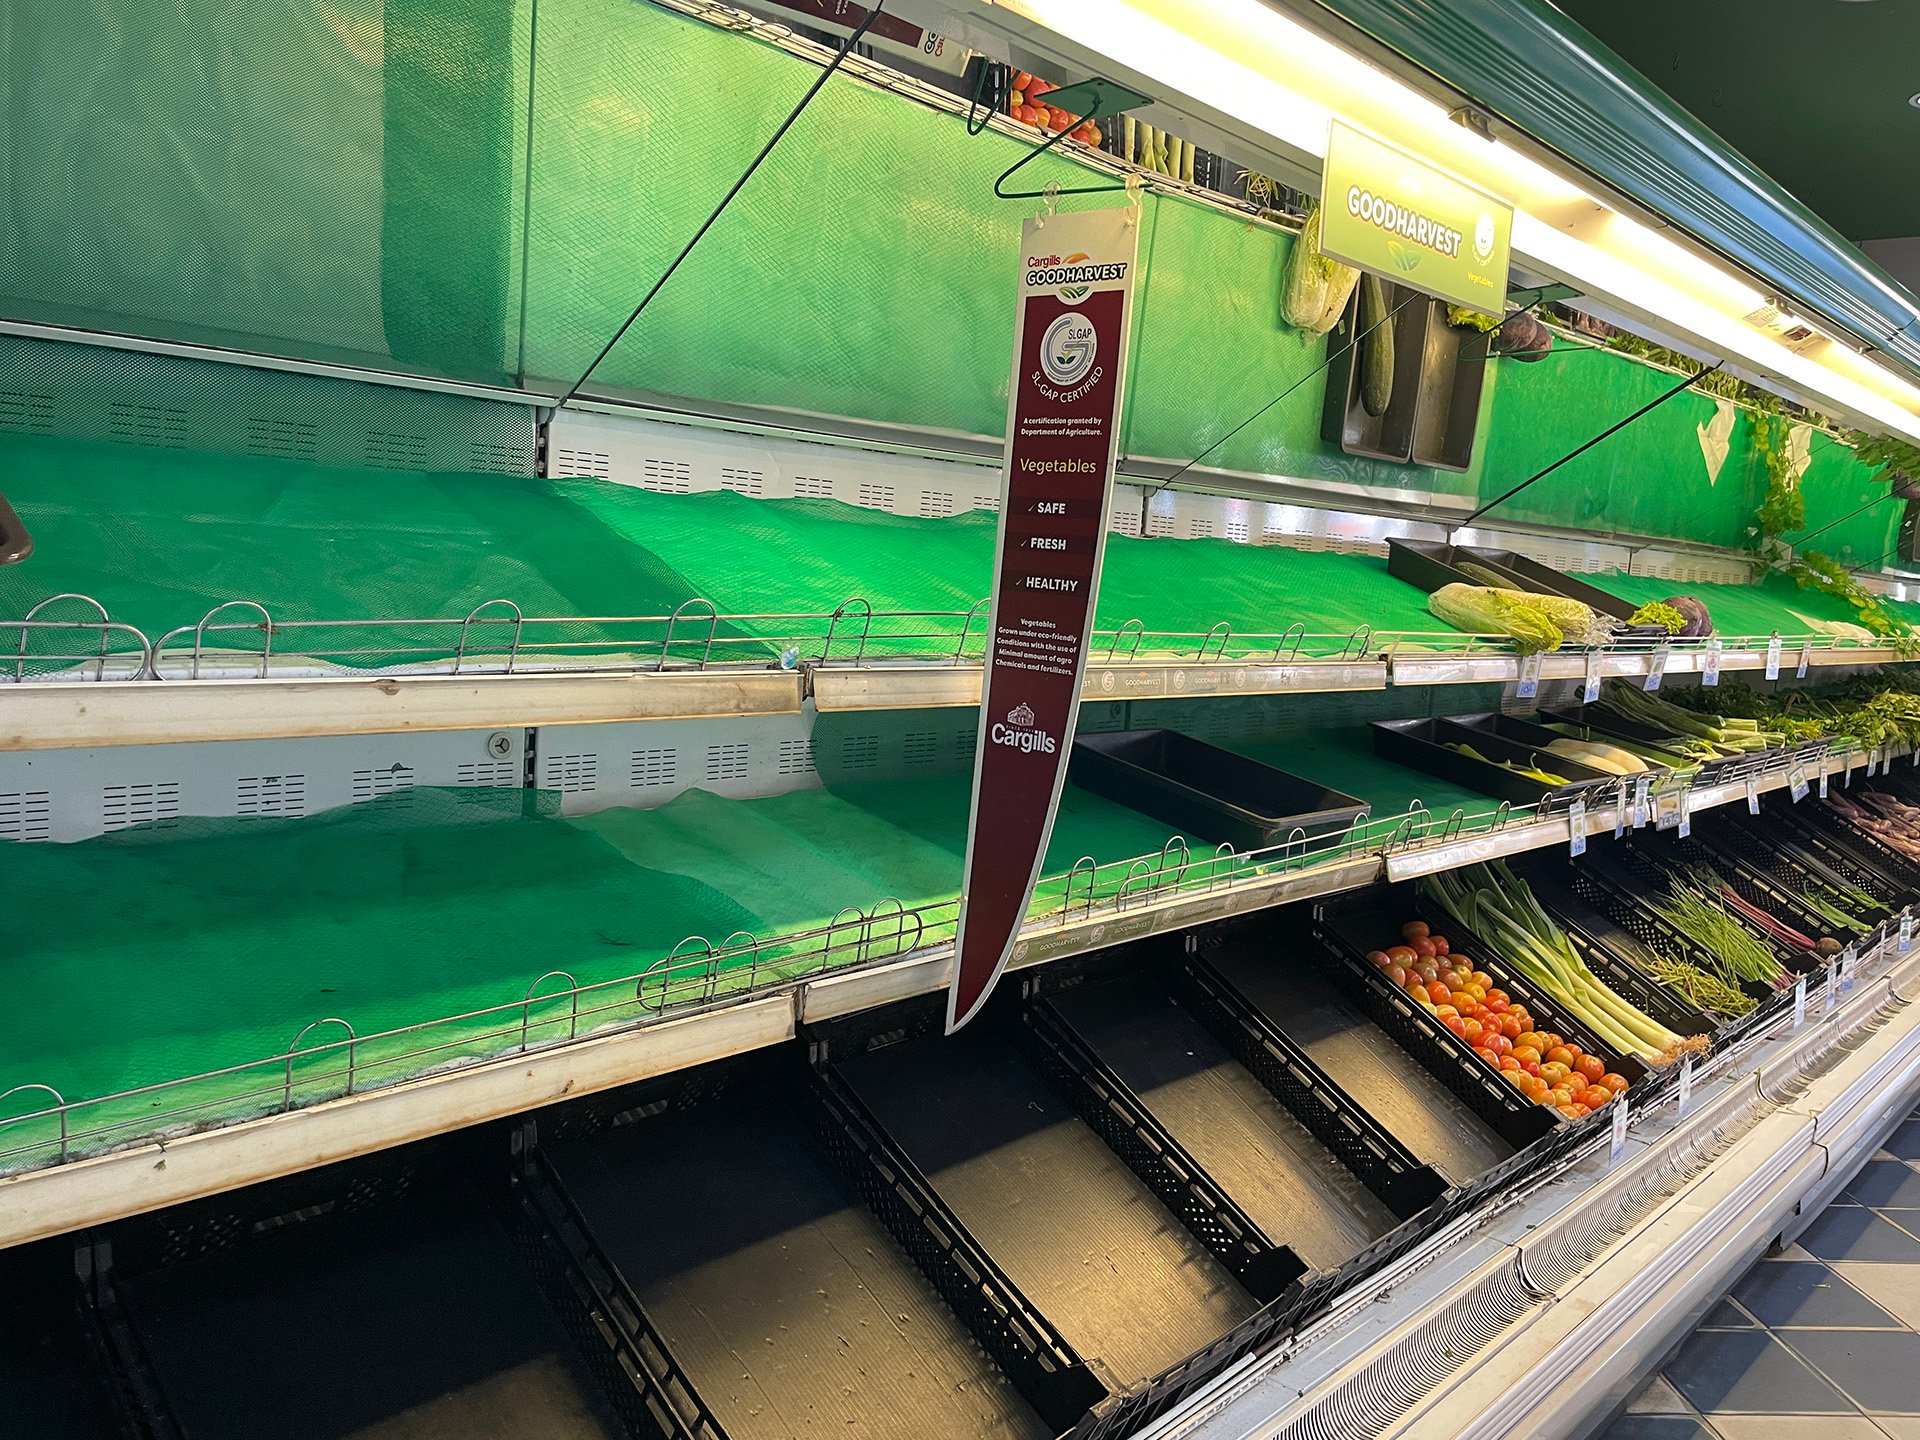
[1376, 347]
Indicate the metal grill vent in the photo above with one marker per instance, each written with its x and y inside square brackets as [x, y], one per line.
[653, 767]
[1237, 531]
[396, 450]
[593, 464]
[371, 784]
[875, 497]
[270, 795]
[488, 773]
[143, 424]
[965, 743]
[860, 752]
[666, 477]
[26, 815]
[988, 502]
[1124, 522]
[282, 438]
[492, 455]
[935, 503]
[727, 762]
[26, 410]
[143, 803]
[812, 487]
[743, 481]
[920, 747]
[571, 774]
[796, 757]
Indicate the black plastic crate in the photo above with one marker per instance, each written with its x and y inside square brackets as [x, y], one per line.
[1770, 860]
[1637, 864]
[1421, 744]
[1800, 847]
[1207, 792]
[1355, 917]
[1831, 825]
[1609, 724]
[1443, 1054]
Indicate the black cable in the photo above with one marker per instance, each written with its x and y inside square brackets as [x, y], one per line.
[814, 89]
[1877, 500]
[1686, 384]
[1332, 355]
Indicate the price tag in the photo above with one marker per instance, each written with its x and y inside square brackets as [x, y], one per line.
[1823, 779]
[1806, 659]
[1849, 957]
[1686, 814]
[1773, 657]
[1640, 785]
[1753, 796]
[1685, 1097]
[1828, 995]
[1590, 686]
[1799, 1002]
[1577, 822]
[1529, 677]
[1906, 932]
[1798, 779]
[1657, 667]
[1619, 1128]
[1622, 807]
[1710, 664]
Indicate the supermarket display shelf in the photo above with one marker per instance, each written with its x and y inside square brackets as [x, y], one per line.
[94, 1157]
[72, 710]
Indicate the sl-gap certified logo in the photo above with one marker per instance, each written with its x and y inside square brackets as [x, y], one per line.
[1067, 349]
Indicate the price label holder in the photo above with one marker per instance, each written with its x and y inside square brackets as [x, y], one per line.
[1710, 664]
[1529, 676]
[1829, 993]
[1797, 780]
[1590, 684]
[1823, 777]
[1773, 657]
[1753, 796]
[1577, 828]
[1622, 807]
[1843, 967]
[1684, 1099]
[1657, 666]
[1905, 942]
[1806, 659]
[1799, 1002]
[1640, 786]
[1873, 764]
[1619, 1142]
[1685, 826]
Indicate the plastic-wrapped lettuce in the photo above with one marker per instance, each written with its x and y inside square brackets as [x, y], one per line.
[1482, 610]
[1577, 622]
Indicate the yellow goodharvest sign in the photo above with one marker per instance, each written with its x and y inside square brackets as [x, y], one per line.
[1387, 212]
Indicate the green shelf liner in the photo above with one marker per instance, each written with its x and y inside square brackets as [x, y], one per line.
[178, 949]
[1775, 603]
[1344, 760]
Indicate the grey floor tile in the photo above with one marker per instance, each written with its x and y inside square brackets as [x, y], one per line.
[1905, 1142]
[1808, 1293]
[1887, 1185]
[1657, 1397]
[1728, 1316]
[1849, 1234]
[1878, 1369]
[1795, 1427]
[1748, 1371]
[1894, 1288]
[1656, 1427]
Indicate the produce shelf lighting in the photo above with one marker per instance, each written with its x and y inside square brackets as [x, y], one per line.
[1251, 64]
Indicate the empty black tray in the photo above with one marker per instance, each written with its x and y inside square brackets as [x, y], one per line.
[1206, 792]
[1430, 564]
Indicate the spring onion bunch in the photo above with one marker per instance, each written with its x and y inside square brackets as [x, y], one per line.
[1495, 904]
[1730, 734]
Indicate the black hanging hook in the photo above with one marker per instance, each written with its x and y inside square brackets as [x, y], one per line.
[1083, 98]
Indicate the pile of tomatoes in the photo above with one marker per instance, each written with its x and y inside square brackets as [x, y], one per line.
[1545, 1068]
[1028, 103]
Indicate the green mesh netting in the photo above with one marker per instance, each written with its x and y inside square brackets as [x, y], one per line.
[175, 950]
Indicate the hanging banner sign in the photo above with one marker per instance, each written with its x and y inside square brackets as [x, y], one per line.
[1387, 212]
[1069, 363]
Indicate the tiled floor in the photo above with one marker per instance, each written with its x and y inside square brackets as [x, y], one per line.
[1821, 1343]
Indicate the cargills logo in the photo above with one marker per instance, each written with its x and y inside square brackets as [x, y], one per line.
[1071, 276]
[1017, 731]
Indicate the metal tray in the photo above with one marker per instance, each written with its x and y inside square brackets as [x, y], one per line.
[1452, 377]
[1207, 792]
[1344, 419]
[1430, 564]
[1421, 745]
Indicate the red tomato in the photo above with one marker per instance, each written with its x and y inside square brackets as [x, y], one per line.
[1023, 80]
[1510, 1026]
[1507, 1067]
[1397, 976]
[1443, 1011]
[1523, 1053]
[1454, 1023]
[1592, 1067]
[1558, 1053]
[1574, 1112]
[1533, 1038]
[1497, 1005]
[1415, 930]
[1499, 1044]
[1423, 947]
[1532, 1067]
[1438, 993]
[1474, 1031]
[1487, 1055]
[1616, 1083]
[1440, 944]
[1378, 959]
[1402, 953]
[1594, 1096]
[1483, 980]
[1554, 1073]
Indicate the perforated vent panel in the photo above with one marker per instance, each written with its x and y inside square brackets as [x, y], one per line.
[139, 804]
[270, 795]
[25, 815]
[570, 774]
